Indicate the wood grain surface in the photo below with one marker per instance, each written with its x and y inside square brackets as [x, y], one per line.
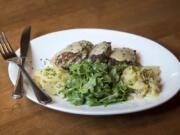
[156, 19]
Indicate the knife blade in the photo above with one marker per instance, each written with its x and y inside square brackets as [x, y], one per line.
[24, 46]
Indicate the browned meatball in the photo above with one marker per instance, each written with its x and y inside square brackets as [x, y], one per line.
[74, 53]
[100, 52]
[122, 55]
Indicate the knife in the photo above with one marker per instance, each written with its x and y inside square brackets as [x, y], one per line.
[24, 46]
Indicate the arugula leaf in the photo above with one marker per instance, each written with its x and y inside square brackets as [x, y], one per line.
[95, 84]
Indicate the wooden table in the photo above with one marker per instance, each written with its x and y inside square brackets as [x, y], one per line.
[155, 19]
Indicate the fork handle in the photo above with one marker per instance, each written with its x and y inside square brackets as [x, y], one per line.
[18, 89]
[41, 95]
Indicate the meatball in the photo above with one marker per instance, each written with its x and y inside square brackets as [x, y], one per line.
[122, 55]
[72, 54]
[100, 52]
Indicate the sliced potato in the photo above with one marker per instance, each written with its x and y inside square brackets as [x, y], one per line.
[143, 80]
[51, 78]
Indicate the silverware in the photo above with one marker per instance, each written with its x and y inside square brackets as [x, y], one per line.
[24, 45]
[9, 55]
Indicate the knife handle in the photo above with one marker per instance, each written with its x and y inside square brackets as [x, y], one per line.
[18, 89]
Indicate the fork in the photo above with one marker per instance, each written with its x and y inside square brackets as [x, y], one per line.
[9, 55]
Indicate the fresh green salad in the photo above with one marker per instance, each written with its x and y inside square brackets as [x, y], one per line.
[95, 84]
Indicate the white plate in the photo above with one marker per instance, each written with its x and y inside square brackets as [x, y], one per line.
[151, 53]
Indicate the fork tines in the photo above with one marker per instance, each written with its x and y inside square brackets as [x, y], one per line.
[5, 47]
